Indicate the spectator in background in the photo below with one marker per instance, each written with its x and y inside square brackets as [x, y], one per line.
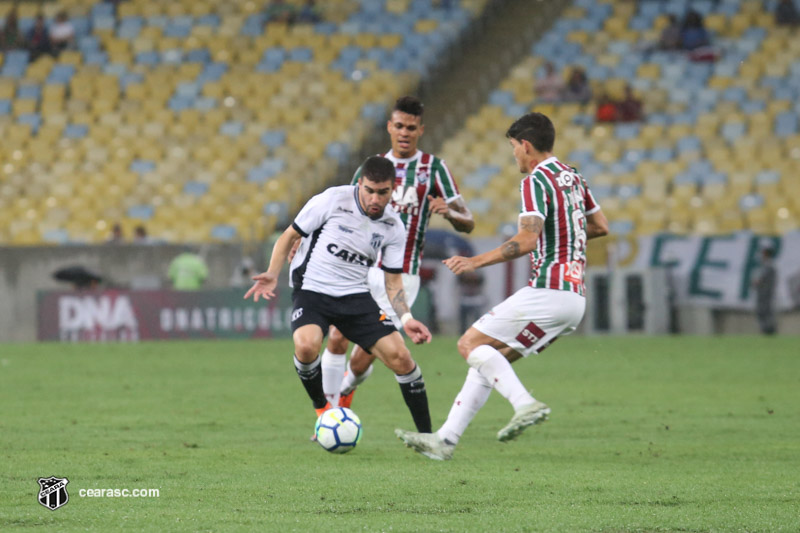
[786, 13]
[280, 11]
[309, 13]
[39, 39]
[670, 38]
[116, 237]
[629, 109]
[188, 272]
[243, 273]
[764, 283]
[11, 38]
[62, 33]
[577, 88]
[550, 87]
[693, 33]
[606, 109]
[140, 235]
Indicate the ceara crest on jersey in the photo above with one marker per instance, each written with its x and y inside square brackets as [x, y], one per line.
[377, 240]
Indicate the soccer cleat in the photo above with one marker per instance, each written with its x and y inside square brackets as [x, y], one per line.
[525, 417]
[346, 399]
[428, 444]
[322, 409]
[319, 413]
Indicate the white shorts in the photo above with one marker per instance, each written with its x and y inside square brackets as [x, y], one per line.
[377, 287]
[530, 319]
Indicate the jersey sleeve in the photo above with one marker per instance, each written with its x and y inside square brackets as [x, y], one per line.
[394, 250]
[591, 204]
[535, 200]
[314, 214]
[445, 184]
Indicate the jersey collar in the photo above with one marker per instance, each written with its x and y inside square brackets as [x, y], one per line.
[390, 156]
[552, 159]
[358, 202]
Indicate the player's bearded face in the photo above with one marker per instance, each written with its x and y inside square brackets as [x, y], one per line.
[374, 196]
[404, 130]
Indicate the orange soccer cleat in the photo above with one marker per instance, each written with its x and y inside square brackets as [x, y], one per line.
[346, 399]
[322, 409]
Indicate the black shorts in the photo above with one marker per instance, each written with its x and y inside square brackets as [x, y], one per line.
[357, 316]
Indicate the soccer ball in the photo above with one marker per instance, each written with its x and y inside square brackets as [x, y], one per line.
[338, 430]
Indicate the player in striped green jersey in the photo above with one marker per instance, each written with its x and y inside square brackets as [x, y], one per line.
[423, 187]
[558, 215]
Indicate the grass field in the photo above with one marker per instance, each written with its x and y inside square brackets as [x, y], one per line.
[646, 434]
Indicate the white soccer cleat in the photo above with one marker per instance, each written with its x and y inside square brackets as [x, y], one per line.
[527, 416]
[428, 444]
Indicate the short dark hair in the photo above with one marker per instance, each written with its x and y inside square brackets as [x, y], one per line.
[535, 128]
[378, 169]
[409, 104]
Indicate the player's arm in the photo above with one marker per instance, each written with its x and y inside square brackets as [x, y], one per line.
[596, 225]
[524, 242]
[266, 282]
[456, 212]
[415, 329]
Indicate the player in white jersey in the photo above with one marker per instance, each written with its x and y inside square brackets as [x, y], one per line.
[423, 186]
[344, 231]
[558, 215]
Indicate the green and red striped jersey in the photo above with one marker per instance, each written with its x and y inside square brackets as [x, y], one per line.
[559, 195]
[415, 179]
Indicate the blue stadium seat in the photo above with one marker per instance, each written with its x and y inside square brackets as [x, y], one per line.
[142, 212]
[142, 166]
[76, 131]
[34, 120]
[195, 188]
[231, 129]
[273, 138]
[224, 232]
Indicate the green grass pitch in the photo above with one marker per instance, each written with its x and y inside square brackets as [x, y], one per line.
[646, 434]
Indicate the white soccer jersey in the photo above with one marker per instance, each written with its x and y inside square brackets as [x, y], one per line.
[340, 243]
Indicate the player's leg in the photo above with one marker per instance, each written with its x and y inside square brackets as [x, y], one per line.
[359, 369]
[307, 343]
[360, 366]
[334, 364]
[309, 324]
[392, 351]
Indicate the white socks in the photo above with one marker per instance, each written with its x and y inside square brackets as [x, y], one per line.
[473, 395]
[351, 381]
[498, 372]
[333, 368]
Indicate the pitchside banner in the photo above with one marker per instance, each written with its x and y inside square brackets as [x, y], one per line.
[719, 271]
[122, 315]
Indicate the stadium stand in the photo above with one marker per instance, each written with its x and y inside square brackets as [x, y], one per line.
[717, 151]
[207, 121]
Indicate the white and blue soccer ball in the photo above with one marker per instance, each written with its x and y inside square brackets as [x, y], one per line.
[338, 430]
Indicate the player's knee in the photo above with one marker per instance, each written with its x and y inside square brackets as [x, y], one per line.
[305, 350]
[337, 343]
[401, 361]
[465, 345]
[360, 362]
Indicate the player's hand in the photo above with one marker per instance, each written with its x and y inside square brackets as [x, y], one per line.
[459, 265]
[264, 286]
[417, 331]
[293, 251]
[438, 205]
